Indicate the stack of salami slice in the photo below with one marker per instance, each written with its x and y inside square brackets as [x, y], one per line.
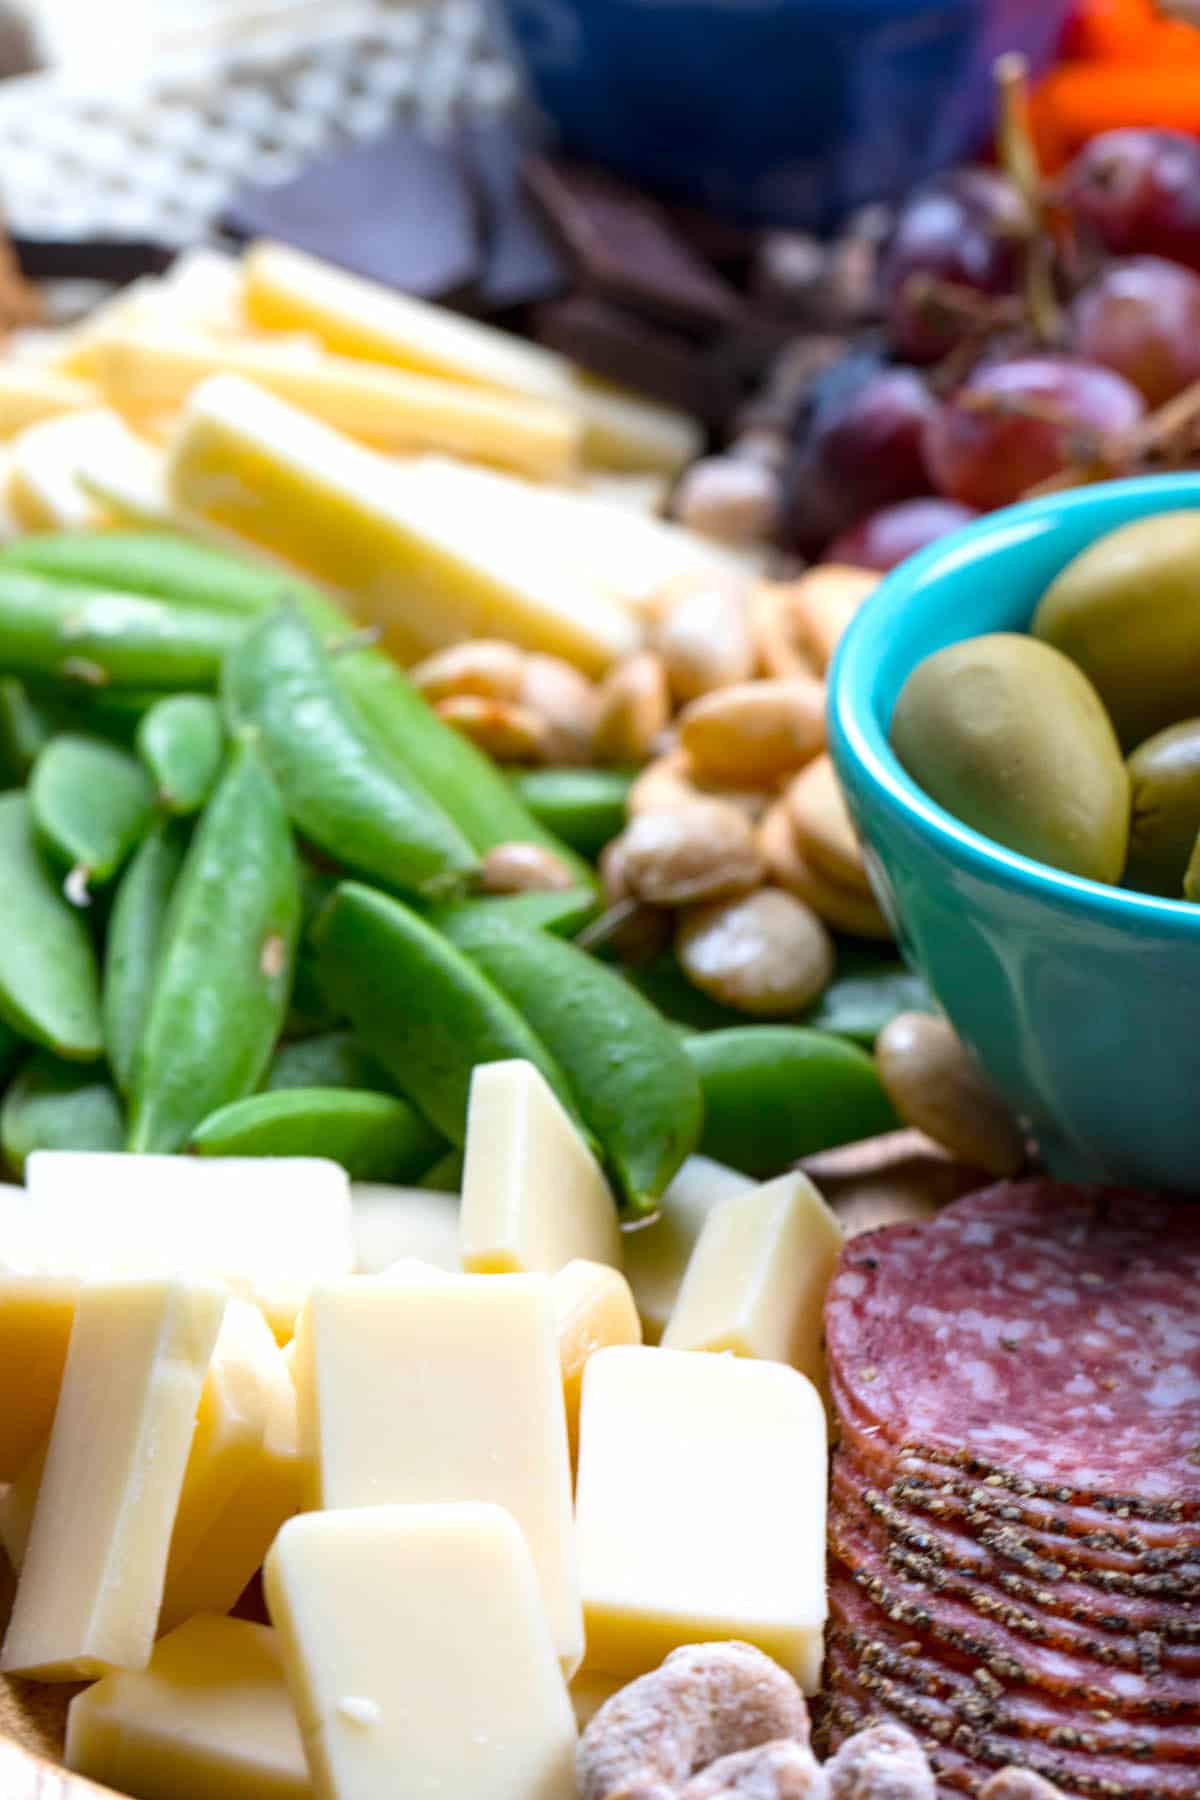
[1015, 1503]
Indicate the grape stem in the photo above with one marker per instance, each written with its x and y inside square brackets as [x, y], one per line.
[1019, 158]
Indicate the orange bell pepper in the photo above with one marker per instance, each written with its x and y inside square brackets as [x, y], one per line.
[1077, 101]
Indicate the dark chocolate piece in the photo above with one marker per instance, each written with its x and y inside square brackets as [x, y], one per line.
[521, 265]
[625, 249]
[115, 260]
[396, 210]
[616, 344]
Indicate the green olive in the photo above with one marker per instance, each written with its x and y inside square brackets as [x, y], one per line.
[1127, 610]
[1012, 739]
[1164, 775]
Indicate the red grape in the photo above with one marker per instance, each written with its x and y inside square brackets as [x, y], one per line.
[886, 537]
[964, 229]
[1139, 190]
[1142, 318]
[1014, 424]
[873, 449]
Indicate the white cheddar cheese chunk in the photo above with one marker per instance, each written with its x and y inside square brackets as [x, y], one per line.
[627, 431]
[393, 1223]
[756, 1281]
[44, 492]
[533, 1196]
[700, 1509]
[657, 1253]
[412, 1390]
[30, 392]
[145, 373]
[418, 1657]
[285, 289]
[231, 1551]
[594, 1308]
[210, 1717]
[268, 1226]
[89, 1591]
[36, 1315]
[402, 543]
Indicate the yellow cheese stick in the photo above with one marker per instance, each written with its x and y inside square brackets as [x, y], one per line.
[589, 1690]
[756, 1281]
[391, 1223]
[624, 431]
[30, 392]
[700, 1509]
[287, 290]
[594, 1308]
[209, 1716]
[36, 1315]
[88, 1596]
[392, 537]
[149, 372]
[533, 1195]
[657, 1253]
[44, 493]
[232, 1549]
[418, 1657]
[470, 1364]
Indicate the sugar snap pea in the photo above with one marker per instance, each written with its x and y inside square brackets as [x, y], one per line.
[773, 1093]
[375, 1137]
[91, 804]
[630, 1076]
[221, 988]
[131, 950]
[25, 729]
[181, 740]
[867, 990]
[49, 981]
[55, 1105]
[445, 1177]
[583, 807]
[333, 1059]
[356, 806]
[10, 1048]
[421, 1006]
[564, 911]
[156, 563]
[94, 636]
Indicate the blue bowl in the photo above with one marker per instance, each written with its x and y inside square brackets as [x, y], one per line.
[1081, 1001]
[773, 111]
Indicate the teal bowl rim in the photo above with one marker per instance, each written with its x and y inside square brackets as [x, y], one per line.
[856, 733]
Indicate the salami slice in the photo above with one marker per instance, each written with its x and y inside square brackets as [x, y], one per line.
[914, 1542]
[1018, 1649]
[1035, 1334]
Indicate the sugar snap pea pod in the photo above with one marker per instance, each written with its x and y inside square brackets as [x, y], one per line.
[10, 1049]
[221, 988]
[135, 930]
[49, 980]
[160, 564]
[583, 807]
[631, 1078]
[96, 636]
[867, 990]
[25, 729]
[420, 1006]
[445, 1177]
[334, 1059]
[55, 1105]
[564, 911]
[375, 1137]
[357, 806]
[181, 740]
[91, 803]
[773, 1093]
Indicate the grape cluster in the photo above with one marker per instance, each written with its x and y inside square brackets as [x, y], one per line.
[959, 399]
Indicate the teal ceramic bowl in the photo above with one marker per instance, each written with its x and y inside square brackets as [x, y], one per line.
[1081, 1001]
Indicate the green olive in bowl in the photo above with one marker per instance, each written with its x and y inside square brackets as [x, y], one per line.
[1164, 777]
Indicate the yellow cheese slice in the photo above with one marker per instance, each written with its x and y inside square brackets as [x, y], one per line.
[29, 392]
[625, 431]
[267, 1226]
[700, 1509]
[594, 1308]
[757, 1277]
[148, 372]
[656, 1254]
[89, 1591]
[418, 1655]
[287, 290]
[391, 1223]
[209, 1716]
[36, 1315]
[391, 535]
[533, 1195]
[470, 1364]
[44, 493]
